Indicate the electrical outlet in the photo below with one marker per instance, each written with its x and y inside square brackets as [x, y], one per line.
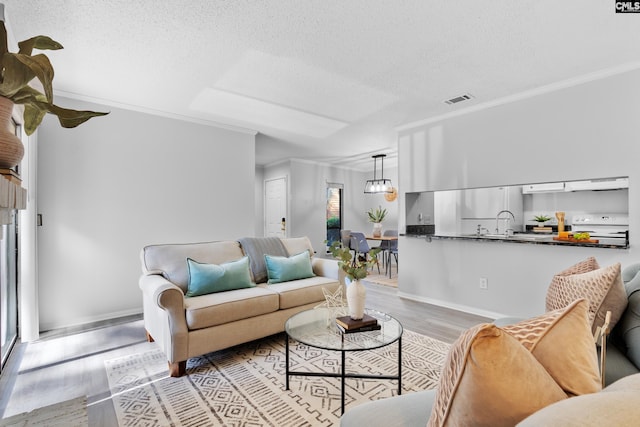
[484, 283]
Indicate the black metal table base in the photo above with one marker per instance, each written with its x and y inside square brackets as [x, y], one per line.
[343, 375]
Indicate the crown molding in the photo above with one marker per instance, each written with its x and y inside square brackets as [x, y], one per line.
[153, 112]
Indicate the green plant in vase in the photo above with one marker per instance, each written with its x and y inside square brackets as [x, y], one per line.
[541, 219]
[376, 216]
[355, 269]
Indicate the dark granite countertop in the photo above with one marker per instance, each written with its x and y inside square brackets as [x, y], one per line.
[524, 238]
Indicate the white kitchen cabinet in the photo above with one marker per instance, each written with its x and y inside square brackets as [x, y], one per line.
[485, 203]
[413, 162]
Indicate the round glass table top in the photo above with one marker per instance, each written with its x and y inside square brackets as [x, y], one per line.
[317, 328]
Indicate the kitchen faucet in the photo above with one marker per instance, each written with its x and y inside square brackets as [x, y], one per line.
[479, 230]
[506, 231]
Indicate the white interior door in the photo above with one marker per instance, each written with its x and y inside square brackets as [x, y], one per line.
[275, 207]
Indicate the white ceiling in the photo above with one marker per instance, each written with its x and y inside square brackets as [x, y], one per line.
[325, 80]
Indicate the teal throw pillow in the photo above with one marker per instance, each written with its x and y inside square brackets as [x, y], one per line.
[283, 269]
[209, 278]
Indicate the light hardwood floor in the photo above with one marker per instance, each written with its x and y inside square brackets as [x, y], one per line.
[68, 363]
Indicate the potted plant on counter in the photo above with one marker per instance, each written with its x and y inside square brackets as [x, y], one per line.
[376, 216]
[17, 70]
[541, 219]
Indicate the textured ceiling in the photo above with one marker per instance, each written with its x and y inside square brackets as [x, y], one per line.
[321, 79]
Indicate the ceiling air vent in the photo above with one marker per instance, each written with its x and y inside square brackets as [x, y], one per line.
[458, 99]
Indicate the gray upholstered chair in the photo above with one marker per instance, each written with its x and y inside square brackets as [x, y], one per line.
[390, 249]
[360, 246]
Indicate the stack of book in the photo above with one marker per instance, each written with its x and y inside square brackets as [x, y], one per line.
[348, 325]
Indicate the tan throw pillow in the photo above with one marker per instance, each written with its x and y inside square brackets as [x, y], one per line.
[491, 379]
[585, 266]
[603, 288]
[562, 342]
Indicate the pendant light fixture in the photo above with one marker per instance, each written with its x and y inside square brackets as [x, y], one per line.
[375, 185]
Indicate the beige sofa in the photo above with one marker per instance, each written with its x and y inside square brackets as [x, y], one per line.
[186, 327]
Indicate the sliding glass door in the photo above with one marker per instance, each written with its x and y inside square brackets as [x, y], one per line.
[8, 288]
[8, 284]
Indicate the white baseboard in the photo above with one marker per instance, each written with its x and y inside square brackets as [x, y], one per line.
[89, 319]
[464, 308]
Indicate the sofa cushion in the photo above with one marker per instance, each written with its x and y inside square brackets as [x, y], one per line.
[171, 260]
[411, 409]
[209, 278]
[602, 287]
[283, 269]
[223, 307]
[256, 248]
[626, 334]
[303, 291]
[562, 342]
[617, 364]
[616, 405]
[490, 378]
[295, 245]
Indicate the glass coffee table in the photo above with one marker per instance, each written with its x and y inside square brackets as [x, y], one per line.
[316, 328]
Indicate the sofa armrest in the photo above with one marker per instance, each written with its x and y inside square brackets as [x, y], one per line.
[325, 267]
[164, 315]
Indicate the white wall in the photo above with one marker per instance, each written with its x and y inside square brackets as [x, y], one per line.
[584, 131]
[258, 219]
[119, 182]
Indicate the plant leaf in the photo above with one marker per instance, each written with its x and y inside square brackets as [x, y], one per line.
[33, 115]
[42, 69]
[15, 76]
[4, 47]
[71, 118]
[28, 94]
[38, 42]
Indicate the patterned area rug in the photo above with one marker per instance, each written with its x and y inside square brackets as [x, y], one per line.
[245, 385]
[72, 413]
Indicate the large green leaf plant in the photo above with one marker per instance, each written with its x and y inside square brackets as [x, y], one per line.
[19, 69]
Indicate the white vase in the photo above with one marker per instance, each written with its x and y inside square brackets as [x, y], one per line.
[377, 229]
[356, 295]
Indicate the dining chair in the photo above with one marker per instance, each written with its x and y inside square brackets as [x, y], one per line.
[345, 238]
[393, 251]
[361, 247]
[390, 248]
[385, 245]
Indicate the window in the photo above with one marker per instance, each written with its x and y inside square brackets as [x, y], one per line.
[334, 212]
